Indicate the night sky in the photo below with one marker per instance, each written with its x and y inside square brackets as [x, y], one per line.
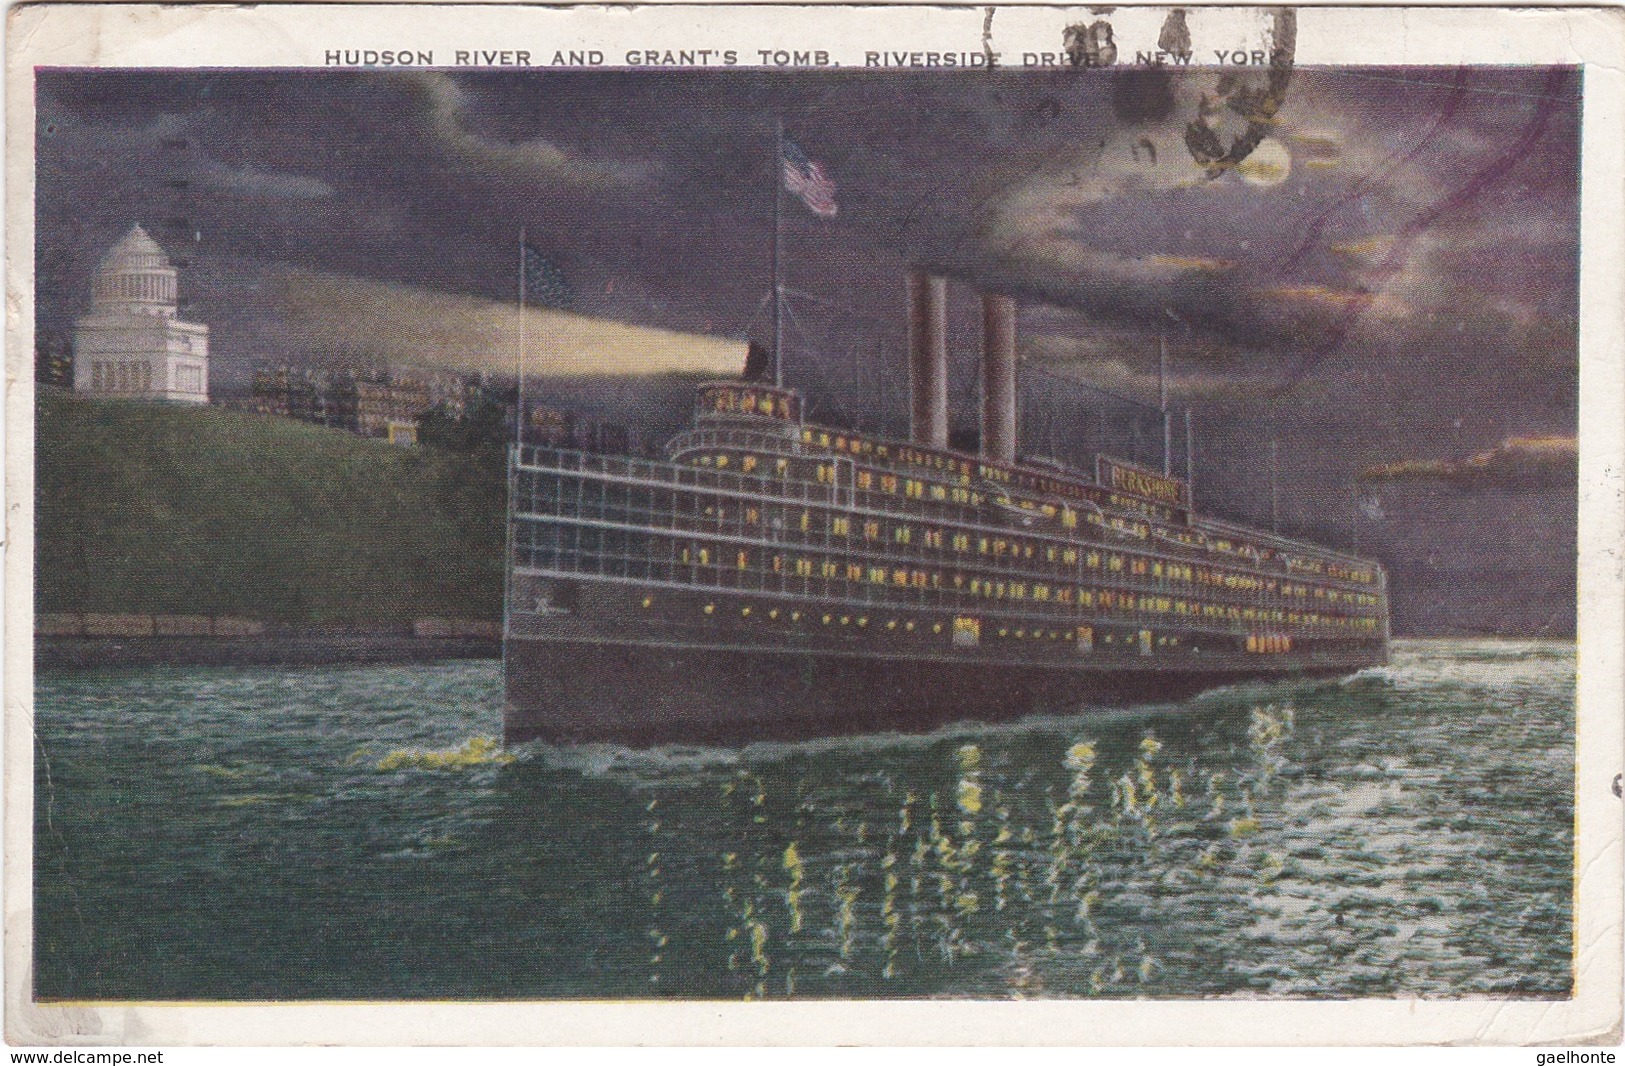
[1387, 284]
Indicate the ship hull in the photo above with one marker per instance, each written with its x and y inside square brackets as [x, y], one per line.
[640, 666]
[639, 695]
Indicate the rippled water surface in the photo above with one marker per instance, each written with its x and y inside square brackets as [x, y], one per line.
[355, 833]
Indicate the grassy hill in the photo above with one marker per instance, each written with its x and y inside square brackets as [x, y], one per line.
[167, 509]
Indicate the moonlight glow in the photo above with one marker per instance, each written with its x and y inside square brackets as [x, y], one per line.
[1268, 164]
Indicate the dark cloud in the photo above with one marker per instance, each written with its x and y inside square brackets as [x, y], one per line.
[449, 119]
[1036, 184]
[1391, 270]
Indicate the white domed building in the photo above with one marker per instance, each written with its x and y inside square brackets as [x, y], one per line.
[131, 344]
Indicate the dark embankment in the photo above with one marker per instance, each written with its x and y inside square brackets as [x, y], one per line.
[165, 510]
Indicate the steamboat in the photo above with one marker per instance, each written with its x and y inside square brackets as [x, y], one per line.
[777, 579]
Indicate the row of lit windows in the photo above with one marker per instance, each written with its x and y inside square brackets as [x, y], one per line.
[970, 631]
[1145, 507]
[731, 400]
[965, 630]
[931, 460]
[1364, 599]
[920, 490]
[1120, 525]
[1021, 590]
[1336, 570]
[1000, 547]
[993, 589]
[854, 445]
[1051, 486]
[915, 489]
[934, 461]
[967, 626]
[747, 464]
[1037, 591]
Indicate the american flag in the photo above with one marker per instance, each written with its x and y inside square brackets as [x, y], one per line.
[807, 180]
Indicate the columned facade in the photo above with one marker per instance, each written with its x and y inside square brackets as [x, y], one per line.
[131, 344]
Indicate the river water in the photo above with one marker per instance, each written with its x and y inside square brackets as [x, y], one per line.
[356, 833]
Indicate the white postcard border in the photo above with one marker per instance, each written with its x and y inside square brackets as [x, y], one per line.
[299, 35]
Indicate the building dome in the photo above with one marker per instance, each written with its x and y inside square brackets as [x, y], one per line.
[131, 343]
[135, 275]
[134, 251]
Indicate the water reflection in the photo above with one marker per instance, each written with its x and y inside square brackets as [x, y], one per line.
[1396, 834]
[1106, 857]
[1024, 863]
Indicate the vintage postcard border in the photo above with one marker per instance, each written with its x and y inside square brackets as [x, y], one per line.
[296, 36]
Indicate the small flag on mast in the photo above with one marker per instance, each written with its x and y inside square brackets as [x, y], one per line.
[807, 180]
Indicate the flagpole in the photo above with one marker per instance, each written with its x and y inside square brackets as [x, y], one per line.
[778, 296]
[513, 466]
[519, 357]
[1275, 486]
[1190, 463]
[1162, 403]
[1356, 548]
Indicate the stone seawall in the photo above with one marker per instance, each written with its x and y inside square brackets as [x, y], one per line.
[95, 653]
[97, 641]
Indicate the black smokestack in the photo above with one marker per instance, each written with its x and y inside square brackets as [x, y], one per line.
[928, 359]
[998, 377]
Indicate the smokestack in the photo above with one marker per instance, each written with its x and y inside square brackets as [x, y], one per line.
[928, 359]
[998, 377]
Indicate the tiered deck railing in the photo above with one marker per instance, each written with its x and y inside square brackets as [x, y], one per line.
[779, 534]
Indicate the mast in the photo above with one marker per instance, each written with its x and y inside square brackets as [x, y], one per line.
[778, 289]
[519, 356]
[1356, 515]
[1190, 463]
[1162, 402]
[513, 466]
[1275, 486]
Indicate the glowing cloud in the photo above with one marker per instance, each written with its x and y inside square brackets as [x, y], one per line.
[1191, 262]
[1517, 464]
[1326, 298]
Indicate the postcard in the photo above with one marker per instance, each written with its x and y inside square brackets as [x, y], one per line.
[781, 524]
